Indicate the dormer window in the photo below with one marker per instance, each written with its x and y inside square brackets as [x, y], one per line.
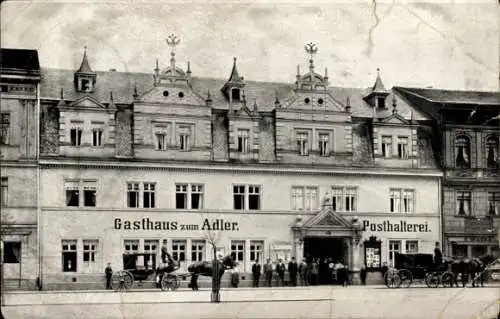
[85, 78]
[235, 94]
[381, 102]
[76, 136]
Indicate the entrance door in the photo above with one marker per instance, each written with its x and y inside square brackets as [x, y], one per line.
[326, 249]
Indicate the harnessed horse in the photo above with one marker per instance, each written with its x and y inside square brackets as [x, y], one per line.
[205, 268]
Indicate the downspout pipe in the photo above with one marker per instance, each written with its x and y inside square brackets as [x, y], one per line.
[38, 210]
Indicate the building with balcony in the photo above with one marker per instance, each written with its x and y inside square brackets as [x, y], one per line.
[469, 130]
[19, 84]
[261, 170]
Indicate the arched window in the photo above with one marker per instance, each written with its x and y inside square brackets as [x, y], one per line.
[462, 152]
[492, 150]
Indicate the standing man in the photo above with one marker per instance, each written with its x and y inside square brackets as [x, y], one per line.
[165, 256]
[292, 270]
[109, 273]
[280, 269]
[438, 256]
[268, 272]
[256, 273]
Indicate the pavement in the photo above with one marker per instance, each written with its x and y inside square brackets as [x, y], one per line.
[299, 302]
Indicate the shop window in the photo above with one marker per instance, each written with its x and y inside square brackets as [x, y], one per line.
[69, 256]
[463, 204]
[305, 198]
[462, 152]
[411, 246]
[492, 150]
[238, 250]
[256, 250]
[11, 252]
[197, 250]
[394, 247]
[179, 250]
[149, 195]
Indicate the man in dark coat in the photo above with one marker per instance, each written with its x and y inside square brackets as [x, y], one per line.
[292, 270]
[268, 272]
[438, 256]
[256, 269]
[166, 258]
[109, 273]
[280, 269]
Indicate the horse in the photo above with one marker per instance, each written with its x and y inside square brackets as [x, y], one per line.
[474, 267]
[478, 269]
[205, 268]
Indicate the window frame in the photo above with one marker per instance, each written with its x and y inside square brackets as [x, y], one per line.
[198, 246]
[492, 143]
[324, 144]
[463, 141]
[6, 256]
[466, 197]
[150, 193]
[303, 142]
[70, 250]
[386, 146]
[409, 243]
[78, 136]
[4, 191]
[493, 203]
[341, 195]
[403, 147]
[99, 138]
[307, 195]
[237, 251]
[391, 252]
[5, 125]
[178, 252]
[397, 198]
[243, 141]
[257, 253]
[81, 187]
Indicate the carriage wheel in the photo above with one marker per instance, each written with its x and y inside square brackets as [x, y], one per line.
[447, 279]
[122, 280]
[432, 280]
[169, 282]
[392, 280]
[406, 278]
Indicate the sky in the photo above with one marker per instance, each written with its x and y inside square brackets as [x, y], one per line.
[440, 44]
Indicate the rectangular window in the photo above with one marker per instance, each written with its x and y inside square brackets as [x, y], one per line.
[151, 248]
[197, 250]
[411, 246]
[304, 198]
[239, 197]
[395, 200]
[4, 128]
[493, 203]
[243, 144]
[403, 147]
[303, 144]
[387, 146]
[181, 196]
[4, 191]
[463, 203]
[253, 197]
[196, 196]
[76, 136]
[12, 252]
[381, 102]
[238, 250]
[72, 193]
[149, 195]
[408, 199]
[161, 141]
[90, 262]
[324, 145]
[344, 199]
[69, 255]
[179, 250]
[256, 250]
[89, 194]
[184, 133]
[97, 137]
[131, 245]
[394, 247]
[133, 195]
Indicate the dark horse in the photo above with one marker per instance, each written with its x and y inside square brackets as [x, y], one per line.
[205, 268]
[473, 267]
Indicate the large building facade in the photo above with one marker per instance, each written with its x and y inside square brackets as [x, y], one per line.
[469, 143]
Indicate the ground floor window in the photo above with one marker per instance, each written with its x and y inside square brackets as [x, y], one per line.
[459, 251]
[69, 255]
[12, 252]
[411, 246]
[238, 250]
[89, 255]
[394, 247]
[256, 250]
[151, 247]
[179, 250]
[478, 250]
[131, 245]
[197, 250]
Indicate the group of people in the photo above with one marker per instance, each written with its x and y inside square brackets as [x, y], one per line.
[310, 271]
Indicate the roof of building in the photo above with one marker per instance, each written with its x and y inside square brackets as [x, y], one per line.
[122, 84]
[85, 67]
[454, 96]
[19, 61]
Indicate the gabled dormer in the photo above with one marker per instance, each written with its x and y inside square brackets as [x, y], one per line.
[378, 94]
[172, 74]
[311, 81]
[85, 78]
[233, 88]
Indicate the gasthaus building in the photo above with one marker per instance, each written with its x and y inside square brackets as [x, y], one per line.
[271, 170]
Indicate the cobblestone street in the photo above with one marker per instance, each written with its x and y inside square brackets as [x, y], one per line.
[304, 302]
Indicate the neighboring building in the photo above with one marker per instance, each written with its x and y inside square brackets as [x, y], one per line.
[282, 169]
[19, 81]
[469, 127]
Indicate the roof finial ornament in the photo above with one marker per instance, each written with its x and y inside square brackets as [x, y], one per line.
[111, 96]
[62, 94]
[136, 95]
[172, 41]
[348, 105]
[394, 105]
[311, 49]
[255, 107]
[378, 71]
[208, 100]
[326, 74]
[277, 103]
[188, 71]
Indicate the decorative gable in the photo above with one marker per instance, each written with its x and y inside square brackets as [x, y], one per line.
[394, 119]
[328, 218]
[171, 95]
[313, 101]
[87, 102]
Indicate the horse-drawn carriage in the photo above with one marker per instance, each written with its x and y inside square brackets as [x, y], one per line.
[134, 270]
[409, 268]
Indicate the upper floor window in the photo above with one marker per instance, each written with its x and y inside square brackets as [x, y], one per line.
[246, 197]
[74, 189]
[403, 147]
[462, 151]
[380, 102]
[161, 141]
[235, 94]
[184, 138]
[344, 199]
[188, 196]
[97, 137]
[303, 143]
[243, 144]
[387, 146]
[134, 195]
[492, 150]
[305, 198]
[494, 203]
[4, 128]
[463, 203]
[324, 144]
[402, 200]
[4, 191]
[76, 136]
